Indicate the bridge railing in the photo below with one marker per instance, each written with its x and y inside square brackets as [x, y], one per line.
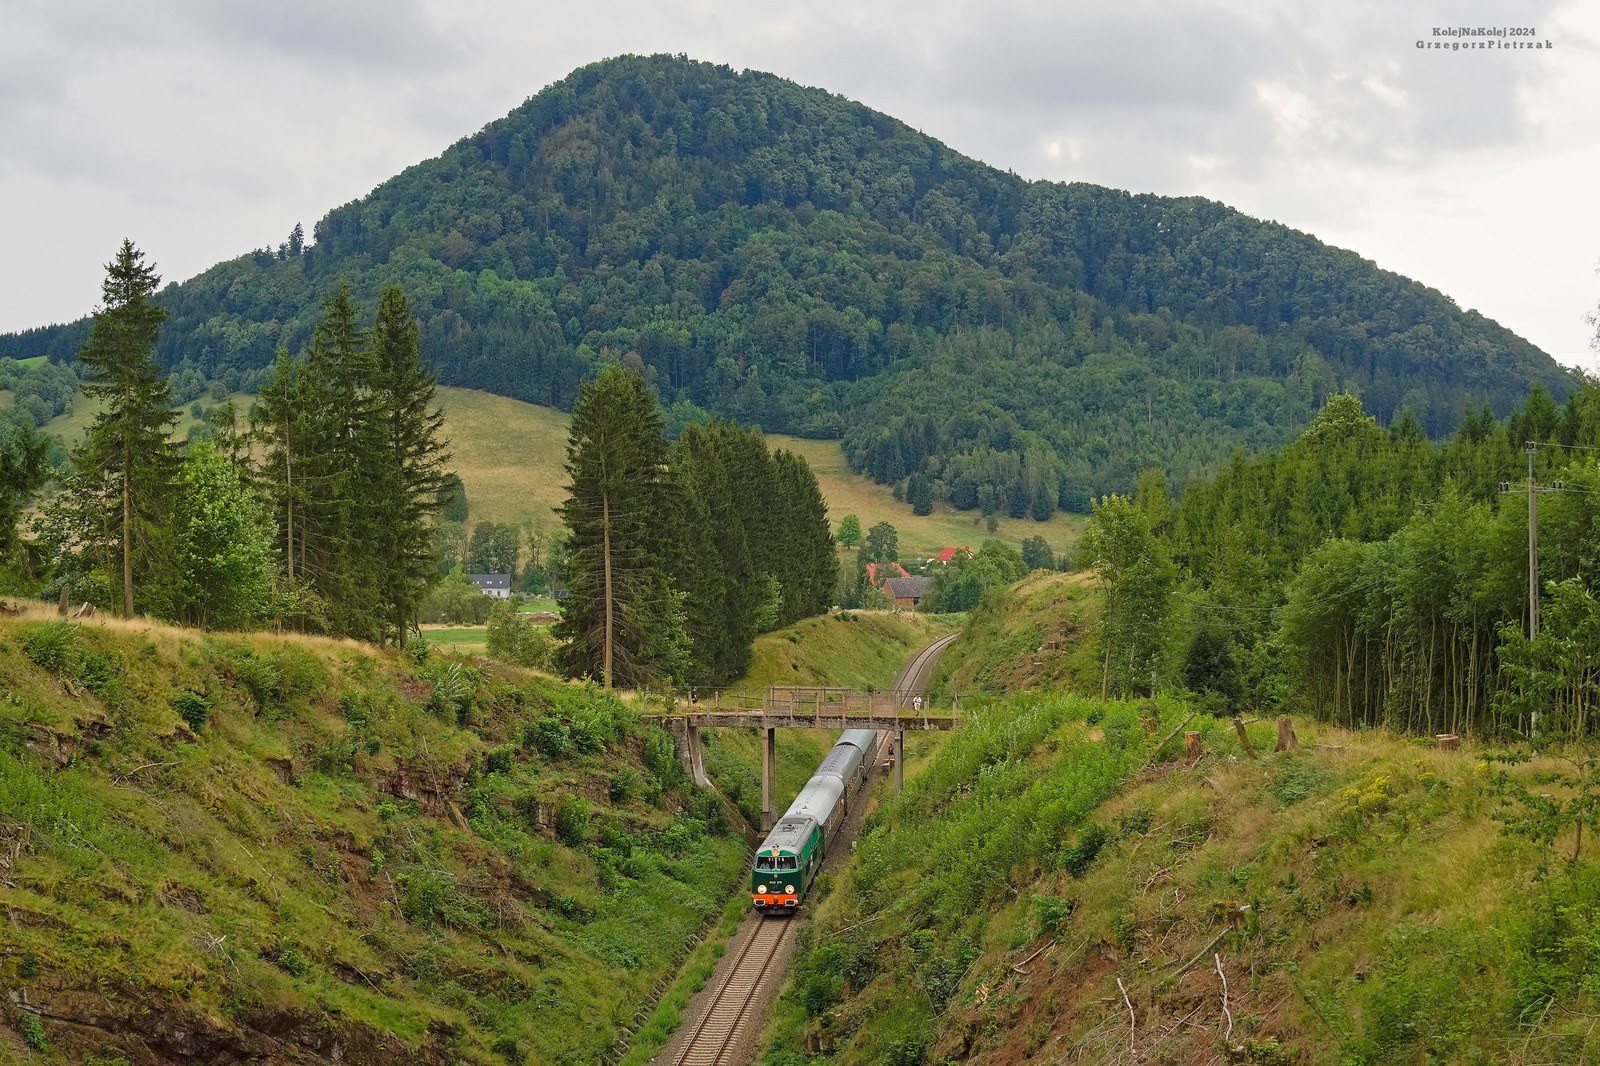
[805, 704]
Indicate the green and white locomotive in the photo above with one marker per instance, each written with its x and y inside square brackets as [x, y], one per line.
[792, 853]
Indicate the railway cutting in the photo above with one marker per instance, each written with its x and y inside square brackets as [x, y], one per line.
[723, 1022]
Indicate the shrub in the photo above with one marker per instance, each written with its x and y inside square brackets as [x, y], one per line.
[570, 906]
[1079, 856]
[508, 1048]
[423, 895]
[355, 711]
[498, 761]
[193, 709]
[452, 691]
[548, 736]
[1051, 911]
[293, 961]
[626, 785]
[261, 678]
[572, 822]
[51, 645]
[32, 1032]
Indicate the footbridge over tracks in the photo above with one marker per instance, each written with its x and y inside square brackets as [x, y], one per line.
[895, 710]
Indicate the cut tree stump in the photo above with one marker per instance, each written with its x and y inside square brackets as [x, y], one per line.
[1447, 742]
[1244, 738]
[1287, 741]
[1191, 746]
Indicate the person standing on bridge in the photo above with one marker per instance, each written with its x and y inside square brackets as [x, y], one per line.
[916, 703]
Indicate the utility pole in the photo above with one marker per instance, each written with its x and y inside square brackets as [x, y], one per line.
[1533, 490]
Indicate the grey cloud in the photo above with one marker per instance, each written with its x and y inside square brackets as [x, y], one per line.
[358, 33]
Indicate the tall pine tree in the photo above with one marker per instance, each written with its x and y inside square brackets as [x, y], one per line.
[410, 478]
[128, 465]
[621, 620]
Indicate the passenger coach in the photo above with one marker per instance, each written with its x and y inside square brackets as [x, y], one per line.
[789, 858]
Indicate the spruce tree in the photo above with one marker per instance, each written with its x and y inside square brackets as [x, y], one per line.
[410, 481]
[128, 464]
[621, 620]
[280, 421]
[24, 469]
[712, 564]
[812, 569]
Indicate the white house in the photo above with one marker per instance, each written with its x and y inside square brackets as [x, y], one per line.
[496, 585]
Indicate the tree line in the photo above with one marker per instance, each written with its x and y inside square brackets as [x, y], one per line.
[678, 555]
[316, 512]
[1371, 576]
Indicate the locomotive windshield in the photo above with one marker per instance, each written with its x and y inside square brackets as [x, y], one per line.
[764, 862]
[787, 862]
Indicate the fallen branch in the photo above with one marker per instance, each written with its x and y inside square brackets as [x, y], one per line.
[1175, 730]
[1131, 1018]
[1226, 1013]
[1018, 966]
[1199, 954]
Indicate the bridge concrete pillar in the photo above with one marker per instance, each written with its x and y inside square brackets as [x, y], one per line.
[769, 760]
[690, 753]
[900, 760]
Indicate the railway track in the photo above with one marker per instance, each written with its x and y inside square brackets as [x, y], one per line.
[738, 999]
[914, 675]
[726, 1015]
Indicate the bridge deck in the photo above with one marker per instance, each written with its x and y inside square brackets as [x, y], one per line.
[780, 720]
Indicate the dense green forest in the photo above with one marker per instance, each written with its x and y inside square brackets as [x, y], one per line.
[791, 259]
[1370, 575]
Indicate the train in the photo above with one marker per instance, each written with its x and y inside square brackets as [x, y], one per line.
[788, 859]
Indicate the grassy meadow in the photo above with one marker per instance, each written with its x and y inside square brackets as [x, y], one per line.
[920, 535]
[511, 457]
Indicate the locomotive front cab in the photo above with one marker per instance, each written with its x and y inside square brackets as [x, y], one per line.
[776, 883]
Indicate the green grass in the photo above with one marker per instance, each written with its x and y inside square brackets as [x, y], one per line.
[510, 455]
[269, 867]
[1358, 893]
[450, 635]
[1005, 642]
[71, 427]
[847, 492]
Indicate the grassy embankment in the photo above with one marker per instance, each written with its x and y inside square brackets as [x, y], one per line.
[1027, 636]
[228, 846]
[1049, 890]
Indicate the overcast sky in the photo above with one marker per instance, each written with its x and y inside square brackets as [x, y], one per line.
[206, 128]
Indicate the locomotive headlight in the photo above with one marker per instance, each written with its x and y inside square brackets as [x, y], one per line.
[788, 888]
[761, 888]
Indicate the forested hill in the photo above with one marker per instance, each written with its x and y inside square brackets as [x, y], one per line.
[793, 259]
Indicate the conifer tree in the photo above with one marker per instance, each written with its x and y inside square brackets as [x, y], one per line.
[712, 558]
[23, 471]
[621, 619]
[128, 464]
[813, 564]
[410, 480]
